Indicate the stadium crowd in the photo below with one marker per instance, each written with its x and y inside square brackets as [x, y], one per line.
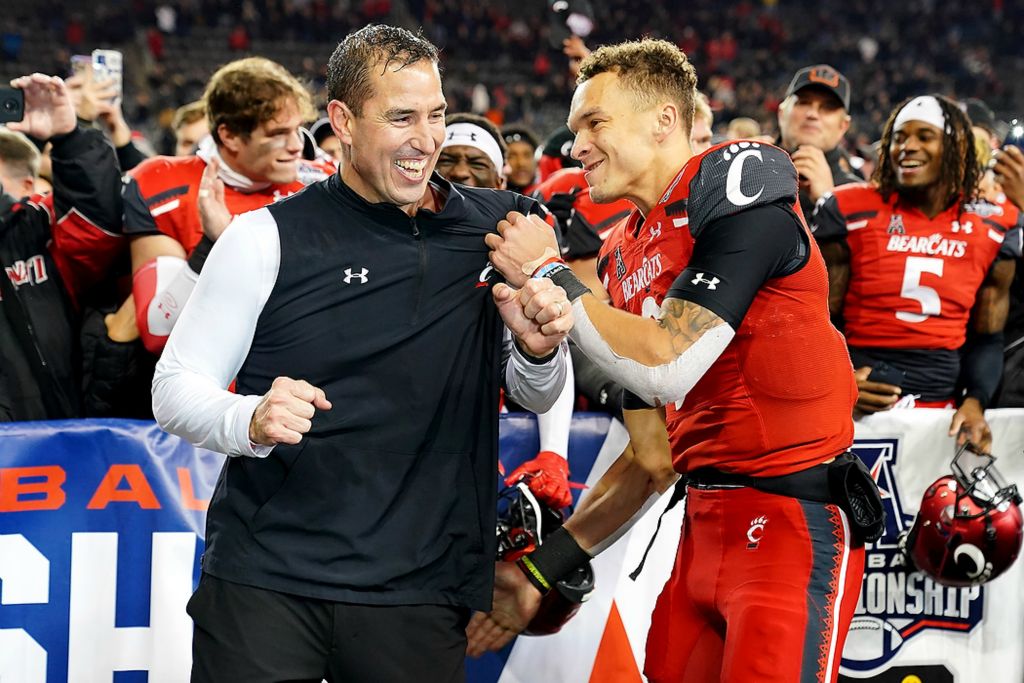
[99, 270]
[885, 112]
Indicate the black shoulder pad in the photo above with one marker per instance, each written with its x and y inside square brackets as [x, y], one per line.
[737, 177]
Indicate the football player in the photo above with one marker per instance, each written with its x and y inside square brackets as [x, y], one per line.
[919, 265]
[724, 328]
[253, 157]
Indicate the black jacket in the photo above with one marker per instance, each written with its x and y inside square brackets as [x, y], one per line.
[50, 249]
[390, 498]
[842, 174]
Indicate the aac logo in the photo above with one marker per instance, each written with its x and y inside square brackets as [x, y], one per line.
[898, 603]
[362, 275]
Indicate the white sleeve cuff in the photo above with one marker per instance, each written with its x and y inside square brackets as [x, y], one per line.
[536, 386]
[240, 429]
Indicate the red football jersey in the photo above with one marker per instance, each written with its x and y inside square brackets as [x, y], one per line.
[913, 279]
[169, 188]
[780, 397]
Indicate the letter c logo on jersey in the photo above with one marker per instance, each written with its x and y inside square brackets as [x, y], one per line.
[756, 532]
[733, 191]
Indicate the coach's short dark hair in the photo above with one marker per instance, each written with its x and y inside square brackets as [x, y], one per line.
[348, 71]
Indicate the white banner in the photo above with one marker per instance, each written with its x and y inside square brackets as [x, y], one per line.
[907, 627]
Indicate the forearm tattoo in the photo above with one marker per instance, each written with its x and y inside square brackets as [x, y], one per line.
[686, 322]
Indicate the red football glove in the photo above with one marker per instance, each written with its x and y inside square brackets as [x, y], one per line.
[547, 475]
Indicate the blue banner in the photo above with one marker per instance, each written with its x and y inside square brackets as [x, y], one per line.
[101, 534]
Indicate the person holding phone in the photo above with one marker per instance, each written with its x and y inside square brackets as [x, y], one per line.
[920, 269]
[53, 249]
[1008, 169]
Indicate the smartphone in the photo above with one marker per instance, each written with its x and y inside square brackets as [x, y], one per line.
[12, 104]
[1016, 135]
[109, 64]
[80, 65]
[884, 373]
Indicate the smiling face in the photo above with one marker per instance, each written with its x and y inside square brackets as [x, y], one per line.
[468, 165]
[391, 147]
[614, 141]
[916, 154]
[271, 152]
[812, 116]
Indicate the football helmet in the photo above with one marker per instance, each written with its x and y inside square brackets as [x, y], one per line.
[969, 527]
[523, 523]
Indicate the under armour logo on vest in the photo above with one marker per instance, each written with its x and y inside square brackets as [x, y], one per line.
[712, 283]
[361, 275]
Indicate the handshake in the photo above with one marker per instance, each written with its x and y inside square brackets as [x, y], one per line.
[538, 313]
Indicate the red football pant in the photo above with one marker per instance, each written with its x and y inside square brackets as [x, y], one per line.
[763, 589]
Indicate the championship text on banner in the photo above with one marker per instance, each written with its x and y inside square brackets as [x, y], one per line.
[101, 527]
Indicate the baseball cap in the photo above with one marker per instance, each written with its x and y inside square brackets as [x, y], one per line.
[980, 114]
[822, 76]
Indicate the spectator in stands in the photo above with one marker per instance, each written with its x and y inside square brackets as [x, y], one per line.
[743, 128]
[522, 146]
[813, 118]
[703, 120]
[919, 264]
[52, 248]
[473, 154]
[190, 125]
[176, 207]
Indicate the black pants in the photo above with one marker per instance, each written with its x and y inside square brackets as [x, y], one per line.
[254, 635]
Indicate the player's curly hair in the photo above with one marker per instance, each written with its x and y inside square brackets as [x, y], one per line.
[652, 69]
[960, 172]
[247, 92]
[348, 70]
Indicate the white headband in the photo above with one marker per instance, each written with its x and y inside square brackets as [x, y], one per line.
[925, 108]
[472, 135]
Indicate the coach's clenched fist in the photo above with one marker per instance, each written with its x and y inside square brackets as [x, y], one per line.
[286, 412]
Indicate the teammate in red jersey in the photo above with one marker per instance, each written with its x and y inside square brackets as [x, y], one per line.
[255, 108]
[726, 329]
[919, 264]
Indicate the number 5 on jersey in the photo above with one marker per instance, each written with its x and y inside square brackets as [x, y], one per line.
[929, 299]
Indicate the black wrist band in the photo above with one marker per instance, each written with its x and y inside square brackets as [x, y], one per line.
[631, 401]
[562, 275]
[556, 558]
[198, 256]
[534, 360]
